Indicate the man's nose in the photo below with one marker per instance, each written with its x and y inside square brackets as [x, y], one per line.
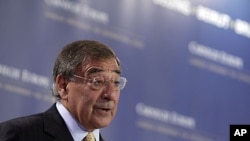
[109, 91]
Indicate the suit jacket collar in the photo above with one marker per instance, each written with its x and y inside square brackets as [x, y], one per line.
[55, 126]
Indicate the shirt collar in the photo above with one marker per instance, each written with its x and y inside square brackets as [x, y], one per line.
[77, 131]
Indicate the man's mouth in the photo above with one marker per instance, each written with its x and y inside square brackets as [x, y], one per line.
[105, 109]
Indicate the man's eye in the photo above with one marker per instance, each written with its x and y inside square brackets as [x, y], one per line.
[116, 82]
[98, 82]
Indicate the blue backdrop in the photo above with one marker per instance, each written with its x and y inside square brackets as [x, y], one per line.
[187, 62]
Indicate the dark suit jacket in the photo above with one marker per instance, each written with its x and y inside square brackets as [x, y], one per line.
[47, 126]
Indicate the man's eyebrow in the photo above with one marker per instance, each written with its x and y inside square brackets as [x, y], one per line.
[94, 70]
[117, 71]
[97, 70]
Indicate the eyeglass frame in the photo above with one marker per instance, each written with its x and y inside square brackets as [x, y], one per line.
[91, 81]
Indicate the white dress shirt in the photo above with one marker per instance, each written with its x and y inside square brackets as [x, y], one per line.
[77, 131]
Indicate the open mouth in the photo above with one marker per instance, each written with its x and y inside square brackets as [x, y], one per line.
[104, 112]
[105, 109]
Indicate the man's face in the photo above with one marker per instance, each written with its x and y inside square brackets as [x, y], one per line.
[93, 108]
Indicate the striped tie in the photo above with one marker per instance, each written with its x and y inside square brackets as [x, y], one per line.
[90, 137]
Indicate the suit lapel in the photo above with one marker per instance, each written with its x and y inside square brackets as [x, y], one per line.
[55, 126]
[101, 138]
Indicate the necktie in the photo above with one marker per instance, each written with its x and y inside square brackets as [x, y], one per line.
[90, 137]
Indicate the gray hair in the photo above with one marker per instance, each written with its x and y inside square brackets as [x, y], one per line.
[77, 53]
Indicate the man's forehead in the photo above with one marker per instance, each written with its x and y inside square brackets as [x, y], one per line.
[109, 65]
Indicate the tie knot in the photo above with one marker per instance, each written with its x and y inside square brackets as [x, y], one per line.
[90, 137]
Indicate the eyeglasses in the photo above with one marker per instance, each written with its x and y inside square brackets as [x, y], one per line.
[97, 83]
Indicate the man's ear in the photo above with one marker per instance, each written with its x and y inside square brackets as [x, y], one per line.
[61, 83]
